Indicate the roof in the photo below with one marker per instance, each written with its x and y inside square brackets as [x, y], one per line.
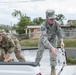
[33, 27]
[71, 20]
[62, 26]
[68, 26]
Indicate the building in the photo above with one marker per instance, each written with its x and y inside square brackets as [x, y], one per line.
[69, 31]
[34, 32]
[71, 22]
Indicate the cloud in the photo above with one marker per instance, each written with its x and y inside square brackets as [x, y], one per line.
[37, 9]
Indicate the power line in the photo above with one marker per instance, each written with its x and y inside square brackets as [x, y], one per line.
[22, 1]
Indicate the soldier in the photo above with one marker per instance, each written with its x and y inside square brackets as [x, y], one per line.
[9, 44]
[49, 30]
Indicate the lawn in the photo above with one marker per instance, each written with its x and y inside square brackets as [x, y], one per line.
[29, 43]
[69, 43]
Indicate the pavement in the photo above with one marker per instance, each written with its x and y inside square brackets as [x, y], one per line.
[71, 52]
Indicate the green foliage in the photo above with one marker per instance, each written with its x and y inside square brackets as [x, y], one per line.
[16, 13]
[70, 43]
[23, 22]
[71, 60]
[38, 21]
[5, 27]
[72, 23]
[29, 43]
[60, 18]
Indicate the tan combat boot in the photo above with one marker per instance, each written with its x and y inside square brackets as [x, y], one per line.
[53, 71]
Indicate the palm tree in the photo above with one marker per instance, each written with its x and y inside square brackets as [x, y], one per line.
[17, 13]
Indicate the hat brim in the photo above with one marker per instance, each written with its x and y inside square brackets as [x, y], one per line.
[52, 17]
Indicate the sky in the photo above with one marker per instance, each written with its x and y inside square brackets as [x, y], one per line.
[34, 9]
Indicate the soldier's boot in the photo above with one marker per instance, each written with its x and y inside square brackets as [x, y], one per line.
[53, 71]
[37, 63]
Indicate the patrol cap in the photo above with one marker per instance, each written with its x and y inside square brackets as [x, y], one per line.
[50, 14]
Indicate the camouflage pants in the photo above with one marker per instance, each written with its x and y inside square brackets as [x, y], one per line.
[40, 52]
[16, 50]
[1, 54]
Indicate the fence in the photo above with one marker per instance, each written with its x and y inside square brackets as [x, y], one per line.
[68, 34]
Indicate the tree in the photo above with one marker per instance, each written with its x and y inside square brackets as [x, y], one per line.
[38, 21]
[60, 18]
[23, 21]
[17, 13]
[22, 24]
[71, 22]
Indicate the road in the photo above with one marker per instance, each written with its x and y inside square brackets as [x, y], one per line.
[71, 52]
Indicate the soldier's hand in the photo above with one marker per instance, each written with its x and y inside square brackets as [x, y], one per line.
[62, 44]
[54, 51]
[9, 60]
[6, 56]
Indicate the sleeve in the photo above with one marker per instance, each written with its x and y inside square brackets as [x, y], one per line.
[59, 32]
[11, 43]
[44, 38]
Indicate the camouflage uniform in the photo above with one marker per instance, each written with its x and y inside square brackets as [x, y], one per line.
[48, 39]
[10, 44]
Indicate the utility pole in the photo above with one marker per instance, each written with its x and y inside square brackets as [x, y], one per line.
[11, 27]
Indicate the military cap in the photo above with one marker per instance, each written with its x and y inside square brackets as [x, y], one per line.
[50, 14]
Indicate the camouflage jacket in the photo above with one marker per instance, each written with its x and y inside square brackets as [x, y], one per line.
[49, 33]
[8, 41]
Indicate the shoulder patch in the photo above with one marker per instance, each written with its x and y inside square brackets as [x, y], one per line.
[42, 28]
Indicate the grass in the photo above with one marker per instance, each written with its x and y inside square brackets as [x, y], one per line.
[69, 43]
[71, 60]
[29, 43]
